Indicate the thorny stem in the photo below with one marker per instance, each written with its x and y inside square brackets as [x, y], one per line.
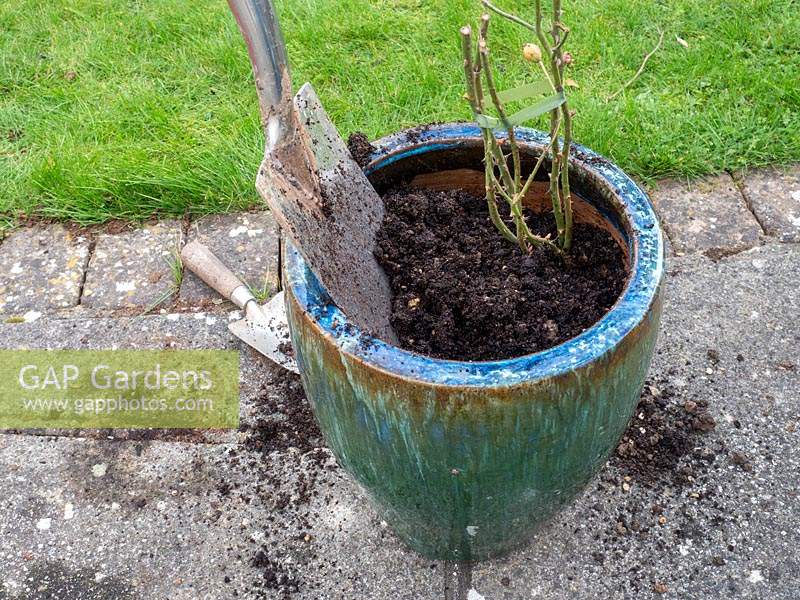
[509, 185]
[509, 16]
[555, 194]
[487, 74]
[484, 52]
[540, 31]
[523, 233]
[527, 233]
[502, 190]
[566, 198]
[557, 65]
[496, 151]
[491, 198]
[554, 77]
[560, 34]
[474, 97]
[564, 37]
[469, 70]
[539, 161]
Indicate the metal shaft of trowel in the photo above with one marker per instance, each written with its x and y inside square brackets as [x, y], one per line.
[259, 25]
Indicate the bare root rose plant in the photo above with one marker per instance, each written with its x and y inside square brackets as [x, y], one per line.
[504, 177]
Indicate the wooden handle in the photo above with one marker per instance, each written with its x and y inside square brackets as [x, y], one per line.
[200, 260]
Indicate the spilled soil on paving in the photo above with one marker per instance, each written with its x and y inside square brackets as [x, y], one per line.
[286, 419]
[286, 426]
[662, 444]
[668, 452]
[462, 291]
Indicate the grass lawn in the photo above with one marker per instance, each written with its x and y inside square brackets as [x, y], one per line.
[129, 108]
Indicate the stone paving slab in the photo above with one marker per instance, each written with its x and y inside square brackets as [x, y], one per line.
[774, 197]
[167, 331]
[41, 268]
[708, 215]
[715, 517]
[247, 243]
[132, 269]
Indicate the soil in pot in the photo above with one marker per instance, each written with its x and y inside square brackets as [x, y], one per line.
[463, 292]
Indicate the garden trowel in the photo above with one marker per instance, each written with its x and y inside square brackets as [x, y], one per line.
[263, 327]
[316, 191]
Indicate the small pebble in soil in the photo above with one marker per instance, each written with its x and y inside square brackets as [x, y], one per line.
[741, 460]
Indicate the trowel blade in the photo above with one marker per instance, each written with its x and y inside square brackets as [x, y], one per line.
[267, 331]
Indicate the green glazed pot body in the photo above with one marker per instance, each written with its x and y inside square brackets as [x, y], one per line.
[465, 460]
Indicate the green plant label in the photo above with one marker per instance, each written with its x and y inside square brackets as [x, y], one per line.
[119, 389]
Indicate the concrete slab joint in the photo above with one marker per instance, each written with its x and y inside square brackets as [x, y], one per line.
[773, 194]
[708, 216]
[133, 268]
[41, 269]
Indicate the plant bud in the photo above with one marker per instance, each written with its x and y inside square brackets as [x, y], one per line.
[567, 58]
[532, 53]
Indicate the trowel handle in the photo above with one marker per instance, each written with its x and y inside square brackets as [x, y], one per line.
[203, 263]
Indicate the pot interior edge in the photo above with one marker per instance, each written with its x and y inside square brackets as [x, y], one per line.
[594, 199]
[403, 154]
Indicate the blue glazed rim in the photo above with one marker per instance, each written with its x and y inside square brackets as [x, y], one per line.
[647, 258]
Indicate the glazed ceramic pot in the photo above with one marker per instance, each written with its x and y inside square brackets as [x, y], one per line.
[465, 459]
